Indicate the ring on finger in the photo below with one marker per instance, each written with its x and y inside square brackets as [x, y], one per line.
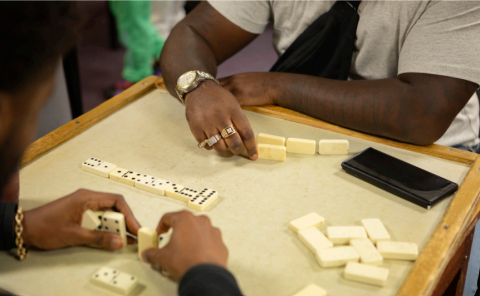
[213, 140]
[164, 272]
[202, 144]
[228, 131]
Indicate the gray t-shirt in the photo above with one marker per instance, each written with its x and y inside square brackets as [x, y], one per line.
[393, 37]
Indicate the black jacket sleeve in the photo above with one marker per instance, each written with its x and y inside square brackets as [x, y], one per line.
[7, 221]
[208, 280]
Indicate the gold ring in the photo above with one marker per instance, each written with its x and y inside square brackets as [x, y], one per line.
[228, 131]
[202, 144]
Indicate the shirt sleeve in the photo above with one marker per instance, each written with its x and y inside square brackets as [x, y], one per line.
[7, 218]
[208, 280]
[444, 41]
[251, 16]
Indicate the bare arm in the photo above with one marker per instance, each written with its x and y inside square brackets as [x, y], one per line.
[201, 41]
[415, 108]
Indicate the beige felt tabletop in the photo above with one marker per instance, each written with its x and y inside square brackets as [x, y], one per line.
[257, 201]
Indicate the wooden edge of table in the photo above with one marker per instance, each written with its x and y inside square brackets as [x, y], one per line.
[439, 151]
[81, 123]
[446, 239]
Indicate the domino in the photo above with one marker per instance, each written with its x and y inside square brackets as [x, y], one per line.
[164, 238]
[398, 250]
[375, 230]
[311, 290]
[314, 239]
[90, 220]
[129, 178]
[332, 147]
[114, 280]
[147, 238]
[99, 215]
[155, 185]
[310, 220]
[203, 199]
[367, 251]
[270, 139]
[180, 192]
[341, 235]
[272, 152]
[301, 146]
[117, 174]
[98, 167]
[364, 273]
[339, 256]
[115, 222]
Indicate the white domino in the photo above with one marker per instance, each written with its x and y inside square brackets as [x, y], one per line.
[152, 184]
[272, 152]
[147, 238]
[364, 273]
[203, 199]
[314, 239]
[115, 280]
[367, 251]
[332, 257]
[310, 220]
[301, 146]
[311, 290]
[180, 192]
[115, 222]
[90, 220]
[398, 250]
[341, 235]
[98, 167]
[270, 139]
[117, 174]
[375, 230]
[129, 178]
[331, 147]
[164, 238]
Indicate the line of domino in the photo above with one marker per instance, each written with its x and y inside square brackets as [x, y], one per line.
[360, 257]
[197, 199]
[275, 148]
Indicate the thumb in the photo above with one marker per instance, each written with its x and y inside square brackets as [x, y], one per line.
[107, 240]
[154, 256]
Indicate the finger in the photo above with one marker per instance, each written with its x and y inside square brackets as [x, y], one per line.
[115, 201]
[234, 142]
[107, 240]
[220, 145]
[154, 256]
[170, 220]
[246, 133]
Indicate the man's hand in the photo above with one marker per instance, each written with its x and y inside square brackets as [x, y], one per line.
[57, 224]
[209, 109]
[252, 89]
[194, 241]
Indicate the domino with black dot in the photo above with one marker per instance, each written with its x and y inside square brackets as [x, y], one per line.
[98, 167]
[115, 280]
[203, 199]
[115, 222]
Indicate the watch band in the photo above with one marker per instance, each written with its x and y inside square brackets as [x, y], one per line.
[200, 77]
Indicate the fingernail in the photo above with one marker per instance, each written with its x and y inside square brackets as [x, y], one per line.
[254, 157]
[116, 243]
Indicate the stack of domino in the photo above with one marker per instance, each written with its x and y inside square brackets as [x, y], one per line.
[197, 199]
[275, 147]
[361, 248]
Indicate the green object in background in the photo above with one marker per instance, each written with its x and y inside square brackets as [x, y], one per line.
[139, 36]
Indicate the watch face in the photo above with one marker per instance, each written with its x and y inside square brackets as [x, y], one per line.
[186, 79]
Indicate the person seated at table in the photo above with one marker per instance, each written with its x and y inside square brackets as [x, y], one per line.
[404, 70]
[34, 37]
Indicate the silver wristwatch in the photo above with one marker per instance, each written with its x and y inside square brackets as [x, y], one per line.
[189, 81]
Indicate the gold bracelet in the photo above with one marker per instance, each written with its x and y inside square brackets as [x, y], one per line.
[21, 250]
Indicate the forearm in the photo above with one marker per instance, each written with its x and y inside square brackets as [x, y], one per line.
[417, 112]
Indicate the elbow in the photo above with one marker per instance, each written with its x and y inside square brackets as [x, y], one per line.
[421, 130]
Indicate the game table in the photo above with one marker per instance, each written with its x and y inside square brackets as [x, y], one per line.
[144, 129]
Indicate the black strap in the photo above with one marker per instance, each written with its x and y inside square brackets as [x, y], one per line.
[7, 223]
[325, 48]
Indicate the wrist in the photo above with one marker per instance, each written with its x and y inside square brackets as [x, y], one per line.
[25, 233]
[204, 86]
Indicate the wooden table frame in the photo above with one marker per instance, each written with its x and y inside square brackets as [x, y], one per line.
[444, 256]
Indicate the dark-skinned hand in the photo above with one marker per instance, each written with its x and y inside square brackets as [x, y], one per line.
[194, 241]
[251, 89]
[57, 224]
[209, 109]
